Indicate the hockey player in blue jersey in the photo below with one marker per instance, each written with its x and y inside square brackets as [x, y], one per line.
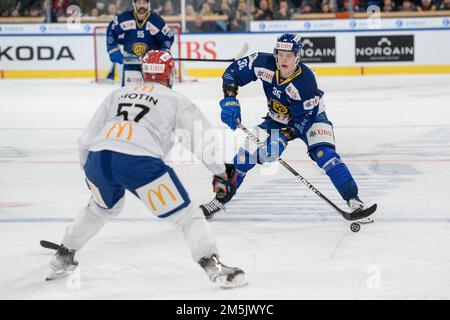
[295, 110]
[142, 30]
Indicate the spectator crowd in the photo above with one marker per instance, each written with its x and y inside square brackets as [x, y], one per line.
[237, 12]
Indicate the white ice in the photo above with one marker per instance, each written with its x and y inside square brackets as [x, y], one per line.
[392, 131]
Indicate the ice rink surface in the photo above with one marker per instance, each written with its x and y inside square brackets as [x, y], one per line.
[392, 131]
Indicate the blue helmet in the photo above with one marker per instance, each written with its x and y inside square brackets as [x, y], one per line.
[289, 42]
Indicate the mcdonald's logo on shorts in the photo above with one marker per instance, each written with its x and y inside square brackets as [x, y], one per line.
[120, 130]
[161, 196]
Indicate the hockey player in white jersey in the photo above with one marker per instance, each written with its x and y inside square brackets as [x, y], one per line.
[123, 147]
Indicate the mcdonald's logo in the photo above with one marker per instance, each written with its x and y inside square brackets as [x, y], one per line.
[121, 129]
[159, 195]
[144, 87]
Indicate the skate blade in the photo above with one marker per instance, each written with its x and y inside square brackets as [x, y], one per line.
[56, 275]
[236, 282]
[210, 216]
[367, 220]
[60, 273]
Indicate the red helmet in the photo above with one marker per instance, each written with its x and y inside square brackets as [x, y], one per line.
[158, 66]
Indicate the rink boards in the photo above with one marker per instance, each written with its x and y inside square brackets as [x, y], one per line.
[336, 47]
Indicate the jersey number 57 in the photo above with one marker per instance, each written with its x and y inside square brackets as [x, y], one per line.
[137, 110]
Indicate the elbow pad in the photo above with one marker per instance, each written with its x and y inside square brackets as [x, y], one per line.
[230, 90]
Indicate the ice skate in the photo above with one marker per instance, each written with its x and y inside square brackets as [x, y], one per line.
[211, 208]
[62, 263]
[355, 204]
[224, 276]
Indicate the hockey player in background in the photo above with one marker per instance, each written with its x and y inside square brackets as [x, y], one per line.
[122, 149]
[139, 30]
[296, 110]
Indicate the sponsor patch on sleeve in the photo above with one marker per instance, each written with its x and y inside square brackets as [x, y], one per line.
[264, 74]
[165, 30]
[311, 103]
[252, 59]
[152, 28]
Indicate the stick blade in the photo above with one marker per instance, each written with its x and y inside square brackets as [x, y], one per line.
[242, 52]
[352, 216]
[49, 245]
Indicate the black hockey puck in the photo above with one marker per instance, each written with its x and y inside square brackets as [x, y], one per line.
[355, 227]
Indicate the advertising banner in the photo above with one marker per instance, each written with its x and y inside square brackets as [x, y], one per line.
[386, 48]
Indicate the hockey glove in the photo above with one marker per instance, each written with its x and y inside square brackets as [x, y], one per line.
[116, 56]
[132, 59]
[299, 126]
[225, 189]
[231, 111]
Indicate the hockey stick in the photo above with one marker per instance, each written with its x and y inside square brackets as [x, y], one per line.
[351, 216]
[49, 245]
[241, 53]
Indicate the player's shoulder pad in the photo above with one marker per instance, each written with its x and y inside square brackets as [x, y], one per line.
[155, 16]
[303, 86]
[126, 15]
[264, 66]
[156, 23]
[306, 85]
[265, 59]
[255, 59]
[156, 20]
[306, 80]
[307, 72]
[125, 20]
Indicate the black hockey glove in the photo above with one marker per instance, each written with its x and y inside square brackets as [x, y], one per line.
[288, 132]
[225, 189]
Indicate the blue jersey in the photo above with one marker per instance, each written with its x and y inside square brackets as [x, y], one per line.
[296, 98]
[139, 36]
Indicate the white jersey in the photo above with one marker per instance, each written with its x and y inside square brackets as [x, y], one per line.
[142, 119]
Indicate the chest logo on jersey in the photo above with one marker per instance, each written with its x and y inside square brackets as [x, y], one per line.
[279, 108]
[140, 49]
[128, 25]
[292, 92]
[264, 74]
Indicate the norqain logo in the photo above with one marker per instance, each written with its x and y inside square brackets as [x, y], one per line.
[384, 48]
[319, 49]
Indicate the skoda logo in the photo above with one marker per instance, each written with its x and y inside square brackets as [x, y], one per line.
[399, 23]
[42, 28]
[446, 22]
[87, 28]
[352, 24]
[262, 26]
[307, 25]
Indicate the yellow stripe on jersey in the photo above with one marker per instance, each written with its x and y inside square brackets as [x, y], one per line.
[295, 74]
[113, 50]
[140, 25]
